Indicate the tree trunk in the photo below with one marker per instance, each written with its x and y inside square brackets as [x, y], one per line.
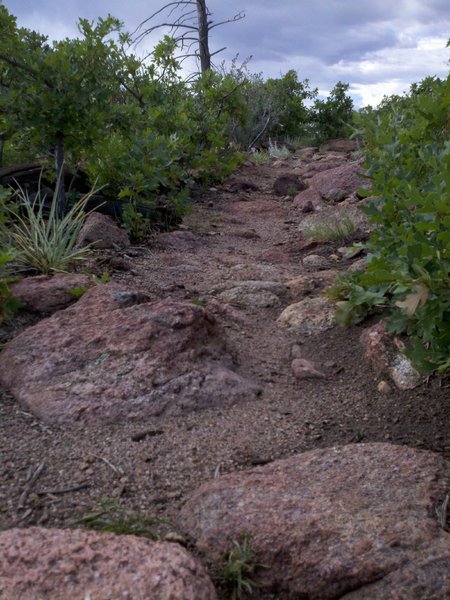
[2, 148]
[59, 166]
[203, 31]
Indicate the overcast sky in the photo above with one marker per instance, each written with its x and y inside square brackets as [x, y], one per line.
[378, 46]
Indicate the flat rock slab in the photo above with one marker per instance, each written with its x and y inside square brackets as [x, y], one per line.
[253, 293]
[116, 355]
[330, 521]
[54, 564]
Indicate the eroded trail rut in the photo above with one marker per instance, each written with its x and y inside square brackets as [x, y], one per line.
[241, 254]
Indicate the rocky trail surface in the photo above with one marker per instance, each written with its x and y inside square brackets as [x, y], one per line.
[207, 390]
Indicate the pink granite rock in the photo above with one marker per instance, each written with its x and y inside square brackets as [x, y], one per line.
[375, 342]
[308, 199]
[329, 521]
[426, 577]
[101, 231]
[310, 316]
[54, 564]
[114, 354]
[311, 284]
[305, 369]
[46, 294]
[284, 185]
[346, 177]
[342, 145]
[385, 358]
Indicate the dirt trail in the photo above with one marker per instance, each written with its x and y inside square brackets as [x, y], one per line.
[230, 236]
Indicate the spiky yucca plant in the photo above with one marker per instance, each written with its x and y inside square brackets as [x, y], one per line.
[48, 243]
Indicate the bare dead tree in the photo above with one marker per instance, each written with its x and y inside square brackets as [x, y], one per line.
[189, 24]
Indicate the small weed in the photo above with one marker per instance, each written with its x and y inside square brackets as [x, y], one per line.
[110, 517]
[238, 571]
[105, 278]
[292, 191]
[77, 292]
[260, 157]
[198, 302]
[278, 152]
[332, 230]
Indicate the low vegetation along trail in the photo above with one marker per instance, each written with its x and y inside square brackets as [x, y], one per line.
[243, 253]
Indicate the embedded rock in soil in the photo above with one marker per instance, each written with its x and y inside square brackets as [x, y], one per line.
[329, 521]
[181, 241]
[286, 184]
[358, 265]
[314, 283]
[241, 185]
[315, 262]
[55, 564]
[375, 342]
[309, 316]
[254, 294]
[307, 200]
[305, 369]
[342, 145]
[46, 294]
[253, 271]
[322, 164]
[403, 374]
[379, 351]
[115, 355]
[101, 231]
[335, 195]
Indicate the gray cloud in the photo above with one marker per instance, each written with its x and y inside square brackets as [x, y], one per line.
[378, 47]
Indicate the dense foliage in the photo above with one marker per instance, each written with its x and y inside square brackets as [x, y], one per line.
[408, 267]
[136, 129]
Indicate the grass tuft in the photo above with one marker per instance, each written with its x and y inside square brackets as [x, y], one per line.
[237, 574]
[336, 229]
[110, 517]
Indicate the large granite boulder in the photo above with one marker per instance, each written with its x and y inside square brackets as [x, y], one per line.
[57, 564]
[114, 355]
[347, 178]
[331, 521]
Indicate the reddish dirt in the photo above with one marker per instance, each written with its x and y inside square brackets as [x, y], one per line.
[151, 467]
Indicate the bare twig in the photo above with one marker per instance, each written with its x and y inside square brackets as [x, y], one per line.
[32, 480]
[106, 461]
[72, 488]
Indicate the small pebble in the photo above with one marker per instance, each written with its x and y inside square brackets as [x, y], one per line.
[384, 388]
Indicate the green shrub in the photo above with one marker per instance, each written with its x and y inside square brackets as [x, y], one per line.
[408, 267]
[8, 304]
[333, 116]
